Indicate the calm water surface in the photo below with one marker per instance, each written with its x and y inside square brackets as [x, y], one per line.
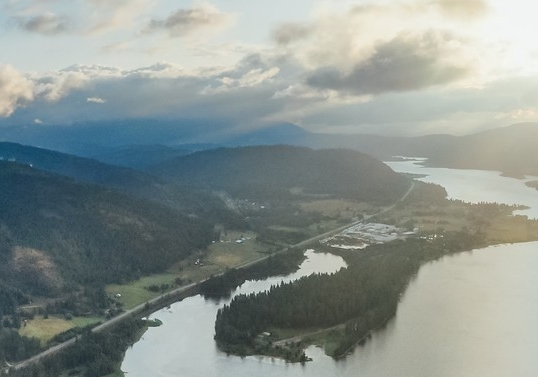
[469, 315]
[475, 185]
[184, 345]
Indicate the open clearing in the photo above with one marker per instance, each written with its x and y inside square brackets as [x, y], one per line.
[226, 253]
[236, 248]
[45, 329]
[135, 293]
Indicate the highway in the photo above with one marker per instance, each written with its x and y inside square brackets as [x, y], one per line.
[154, 303]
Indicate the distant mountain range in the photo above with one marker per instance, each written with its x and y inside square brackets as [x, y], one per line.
[511, 150]
[143, 143]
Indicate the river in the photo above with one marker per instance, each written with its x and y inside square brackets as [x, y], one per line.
[471, 314]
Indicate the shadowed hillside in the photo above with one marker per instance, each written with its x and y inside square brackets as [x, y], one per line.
[130, 181]
[55, 232]
[281, 171]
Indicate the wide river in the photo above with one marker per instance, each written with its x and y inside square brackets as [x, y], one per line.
[468, 315]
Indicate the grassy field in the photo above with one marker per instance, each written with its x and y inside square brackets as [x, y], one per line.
[219, 256]
[512, 229]
[228, 253]
[135, 293]
[337, 207]
[46, 329]
[497, 225]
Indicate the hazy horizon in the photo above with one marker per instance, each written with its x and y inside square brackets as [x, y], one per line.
[410, 67]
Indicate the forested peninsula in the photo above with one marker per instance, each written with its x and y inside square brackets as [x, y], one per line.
[340, 310]
[362, 297]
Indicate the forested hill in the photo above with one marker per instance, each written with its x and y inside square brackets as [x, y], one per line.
[55, 232]
[82, 169]
[273, 171]
[511, 149]
[120, 178]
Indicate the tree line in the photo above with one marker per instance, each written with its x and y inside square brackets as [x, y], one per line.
[364, 295]
[93, 354]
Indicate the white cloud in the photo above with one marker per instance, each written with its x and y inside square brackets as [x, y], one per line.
[95, 100]
[57, 86]
[341, 70]
[38, 121]
[343, 39]
[109, 15]
[15, 90]
[464, 9]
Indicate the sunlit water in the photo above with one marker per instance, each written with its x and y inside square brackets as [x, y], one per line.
[468, 315]
[475, 185]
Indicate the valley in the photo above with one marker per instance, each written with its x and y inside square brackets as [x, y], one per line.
[248, 210]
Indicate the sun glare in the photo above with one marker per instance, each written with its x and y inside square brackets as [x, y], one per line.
[513, 23]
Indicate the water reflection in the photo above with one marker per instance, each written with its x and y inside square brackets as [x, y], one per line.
[475, 186]
[472, 314]
[184, 345]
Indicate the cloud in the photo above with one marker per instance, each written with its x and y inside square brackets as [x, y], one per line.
[38, 121]
[95, 100]
[107, 15]
[290, 32]
[267, 88]
[405, 63]
[15, 90]
[465, 9]
[185, 22]
[243, 92]
[57, 86]
[46, 24]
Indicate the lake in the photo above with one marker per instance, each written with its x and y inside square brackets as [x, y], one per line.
[475, 186]
[470, 314]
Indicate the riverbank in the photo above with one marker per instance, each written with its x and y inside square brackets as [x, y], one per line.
[442, 226]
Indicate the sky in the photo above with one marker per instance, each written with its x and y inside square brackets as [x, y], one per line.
[408, 67]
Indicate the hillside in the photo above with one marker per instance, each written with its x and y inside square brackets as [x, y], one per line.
[281, 171]
[142, 155]
[511, 149]
[130, 181]
[56, 233]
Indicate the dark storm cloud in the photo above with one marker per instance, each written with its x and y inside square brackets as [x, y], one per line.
[402, 64]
